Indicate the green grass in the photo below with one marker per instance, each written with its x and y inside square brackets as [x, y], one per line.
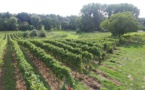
[62, 35]
[133, 64]
[9, 80]
[74, 35]
[131, 70]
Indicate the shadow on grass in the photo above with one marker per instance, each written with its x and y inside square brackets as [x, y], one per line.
[133, 44]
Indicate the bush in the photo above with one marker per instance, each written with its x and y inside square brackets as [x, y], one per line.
[42, 33]
[120, 23]
[26, 34]
[110, 50]
[78, 31]
[34, 33]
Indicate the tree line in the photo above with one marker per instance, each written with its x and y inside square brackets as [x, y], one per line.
[26, 21]
[91, 15]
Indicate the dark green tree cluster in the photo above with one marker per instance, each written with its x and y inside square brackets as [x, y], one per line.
[120, 23]
[26, 21]
[142, 23]
[89, 20]
[93, 14]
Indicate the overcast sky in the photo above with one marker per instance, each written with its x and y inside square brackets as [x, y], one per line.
[61, 7]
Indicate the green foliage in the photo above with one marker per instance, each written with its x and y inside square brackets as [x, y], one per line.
[91, 18]
[2, 46]
[93, 14]
[78, 31]
[25, 26]
[34, 33]
[26, 34]
[13, 23]
[47, 23]
[8, 23]
[36, 21]
[24, 17]
[29, 75]
[72, 60]
[60, 71]
[123, 7]
[105, 24]
[143, 28]
[121, 23]
[42, 33]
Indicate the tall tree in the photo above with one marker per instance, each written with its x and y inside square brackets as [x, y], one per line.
[13, 23]
[25, 26]
[72, 22]
[123, 7]
[46, 23]
[36, 21]
[91, 17]
[120, 23]
[24, 17]
[5, 15]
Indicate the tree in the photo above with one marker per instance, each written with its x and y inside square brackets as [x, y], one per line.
[72, 22]
[23, 17]
[5, 15]
[120, 23]
[105, 24]
[13, 23]
[25, 26]
[123, 7]
[35, 20]
[46, 23]
[91, 17]
[142, 23]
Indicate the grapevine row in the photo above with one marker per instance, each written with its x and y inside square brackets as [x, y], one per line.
[2, 47]
[86, 56]
[33, 81]
[96, 51]
[69, 48]
[56, 68]
[106, 43]
[72, 60]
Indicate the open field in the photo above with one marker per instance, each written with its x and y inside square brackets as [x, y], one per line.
[84, 61]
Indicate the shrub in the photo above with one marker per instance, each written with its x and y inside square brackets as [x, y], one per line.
[120, 23]
[110, 50]
[42, 33]
[26, 34]
[78, 31]
[34, 33]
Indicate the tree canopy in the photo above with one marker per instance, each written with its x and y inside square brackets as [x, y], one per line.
[123, 7]
[91, 17]
[93, 14]
[25, 21]
[120, 23]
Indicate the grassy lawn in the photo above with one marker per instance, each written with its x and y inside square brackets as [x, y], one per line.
[129, 63]
[74, 35]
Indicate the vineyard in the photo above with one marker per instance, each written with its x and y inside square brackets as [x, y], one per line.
[59, 64]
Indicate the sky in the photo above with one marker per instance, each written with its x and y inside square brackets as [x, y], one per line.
[60, 7]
